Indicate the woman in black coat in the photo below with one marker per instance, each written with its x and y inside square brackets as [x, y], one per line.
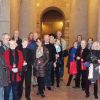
[81, 57]
[94, 57]
[26, 73]
[41, 58]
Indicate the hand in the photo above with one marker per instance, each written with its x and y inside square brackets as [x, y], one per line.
[14, 70]
[82, 60]
[54, 64]
[98, 60]
[78, 58]
[25, 63]
[57, 56]
[91, 64]
[14, 65]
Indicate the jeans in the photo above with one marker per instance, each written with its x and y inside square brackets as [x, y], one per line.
[11, 91]
[48, 75]
[11, 95]
[7, 92]
[1, 93]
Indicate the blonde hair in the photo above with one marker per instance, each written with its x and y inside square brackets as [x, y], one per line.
[96, 45]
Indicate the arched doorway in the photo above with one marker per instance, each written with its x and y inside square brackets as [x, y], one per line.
[52, 20]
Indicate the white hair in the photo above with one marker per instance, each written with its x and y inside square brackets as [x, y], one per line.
[96, 45]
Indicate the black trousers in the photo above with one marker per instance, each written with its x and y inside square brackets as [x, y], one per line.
[27, 77]
[88, 82]
[52, 75]
[69, 79]
[41, 84]
[81, 79]
[57, 72]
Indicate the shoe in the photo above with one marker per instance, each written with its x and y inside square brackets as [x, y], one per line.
[68, 84]
[37, 93]
[49, 88]
[87, 96]
[42, 95]
[83, 89]
[34, 86]
[28, 98]
[58, 85]
[52, 84]
[96, 97]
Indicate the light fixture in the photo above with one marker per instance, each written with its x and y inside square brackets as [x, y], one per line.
[37, 4]
[61, 23]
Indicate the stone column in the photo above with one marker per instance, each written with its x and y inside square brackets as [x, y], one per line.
[4, 16]
[14, 15]
[98, 35]
[78, 18]
[93, 18]
[27, 17]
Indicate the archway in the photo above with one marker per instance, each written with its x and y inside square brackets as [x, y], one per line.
[52, 19]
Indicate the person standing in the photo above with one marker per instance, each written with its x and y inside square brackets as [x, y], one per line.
[32, 46]
[52, 53]
[4, 77]
[71, 59]
[94, 59]
[17, 39]
[89, 43]
[41, 58]
[79, 39]
[52, 41]
[80, 57]
[14, 62]
[27, 68]
[63, 51]
[58, 62]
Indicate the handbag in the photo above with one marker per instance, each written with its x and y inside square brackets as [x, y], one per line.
[73, 68]
[87, 64]
[83, 67]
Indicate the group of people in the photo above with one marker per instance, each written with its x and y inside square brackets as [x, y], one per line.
[41, 57]
[84, 65]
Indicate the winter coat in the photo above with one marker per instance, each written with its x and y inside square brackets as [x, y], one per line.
[3, 69]
[40, 64]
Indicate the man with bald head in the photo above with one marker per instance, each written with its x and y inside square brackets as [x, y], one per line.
[17, 39]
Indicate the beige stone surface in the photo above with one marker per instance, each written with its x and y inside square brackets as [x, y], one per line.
[14, 15]
[80, 16]
[93, 6]
[4, 16]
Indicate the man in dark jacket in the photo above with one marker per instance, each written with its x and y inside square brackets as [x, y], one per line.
[52, 53]
[3, 68]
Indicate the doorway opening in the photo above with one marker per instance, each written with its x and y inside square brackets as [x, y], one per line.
[52, 20]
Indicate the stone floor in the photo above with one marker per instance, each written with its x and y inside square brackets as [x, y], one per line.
[62, 93]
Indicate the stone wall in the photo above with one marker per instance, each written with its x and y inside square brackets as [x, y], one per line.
[4, 16]
[81, 16]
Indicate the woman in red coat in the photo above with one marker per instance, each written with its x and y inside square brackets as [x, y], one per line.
[14, 61]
